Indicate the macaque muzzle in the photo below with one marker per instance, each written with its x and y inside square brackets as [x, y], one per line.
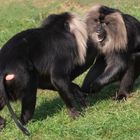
[100, 32]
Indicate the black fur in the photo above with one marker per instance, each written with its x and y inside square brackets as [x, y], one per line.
[116, 66]
[43, 58]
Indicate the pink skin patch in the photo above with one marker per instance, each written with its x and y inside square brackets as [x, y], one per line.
[9, 77]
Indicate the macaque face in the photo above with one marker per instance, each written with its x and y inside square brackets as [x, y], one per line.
[106, 28]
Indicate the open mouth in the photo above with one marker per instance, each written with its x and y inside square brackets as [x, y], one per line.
[100, 37]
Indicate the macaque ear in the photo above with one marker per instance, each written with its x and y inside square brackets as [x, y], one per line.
[9, 77]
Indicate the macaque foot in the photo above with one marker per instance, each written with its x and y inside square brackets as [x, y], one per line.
[73, 113]
[122, 95]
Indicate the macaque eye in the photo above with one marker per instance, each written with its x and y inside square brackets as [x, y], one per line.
[96, 20]
[107, 23]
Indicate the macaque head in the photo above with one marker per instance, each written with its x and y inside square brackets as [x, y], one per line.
[106, 28]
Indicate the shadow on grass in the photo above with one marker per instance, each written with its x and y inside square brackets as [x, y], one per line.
[106, 93]
[51, 107]
[48, 108]
[137, 85]
[109, 92]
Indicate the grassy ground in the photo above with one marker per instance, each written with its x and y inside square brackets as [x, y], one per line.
[104, 119]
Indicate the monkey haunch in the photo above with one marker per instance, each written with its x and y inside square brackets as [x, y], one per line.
[44, 57]
[117, 36]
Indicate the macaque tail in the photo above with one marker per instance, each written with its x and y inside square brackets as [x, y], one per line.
[13, 115]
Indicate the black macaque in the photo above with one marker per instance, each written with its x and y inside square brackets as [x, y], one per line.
[117, 38]
[49, 57]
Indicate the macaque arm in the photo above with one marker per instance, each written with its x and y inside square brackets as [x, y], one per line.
[115, 66]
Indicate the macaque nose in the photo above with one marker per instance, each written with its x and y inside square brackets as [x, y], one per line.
[99, 29]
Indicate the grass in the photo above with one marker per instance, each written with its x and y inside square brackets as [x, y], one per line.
[104, 119]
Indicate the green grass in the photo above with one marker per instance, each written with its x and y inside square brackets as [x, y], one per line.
[103, 119]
